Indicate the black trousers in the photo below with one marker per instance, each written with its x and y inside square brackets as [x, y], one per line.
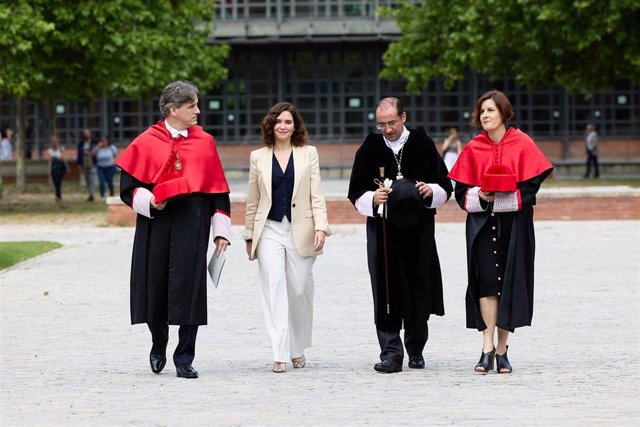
[185, 350]
[592, 159]
[415, 338]
[56, 177]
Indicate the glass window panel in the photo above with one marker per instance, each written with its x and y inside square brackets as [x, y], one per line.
[307, 103]
[213, 119]
[449, 100]
[541, 128]
[541, 114]
[307, 88]
[622, 114]
[355, 130]
[354, 86]
[354, 64]
[262, 104]
[451, 116]
[354, 117]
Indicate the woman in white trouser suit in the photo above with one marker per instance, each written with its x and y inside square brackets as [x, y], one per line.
[285, 228]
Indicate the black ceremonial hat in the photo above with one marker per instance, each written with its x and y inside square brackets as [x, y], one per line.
[404, 205]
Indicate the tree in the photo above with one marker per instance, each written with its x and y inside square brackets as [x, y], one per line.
[23, 30]
[580, 45]
[108, 48]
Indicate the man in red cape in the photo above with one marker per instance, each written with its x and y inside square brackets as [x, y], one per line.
[172, 178]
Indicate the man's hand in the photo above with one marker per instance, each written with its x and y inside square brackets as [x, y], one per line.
[381, 196]
[424, 189]
[221, 245]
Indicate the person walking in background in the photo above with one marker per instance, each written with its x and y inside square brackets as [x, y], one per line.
[285, 229]
[498, 175]
[57, 165]
[591, 144]
[105, 155]
[6, 147]
[172, 178]
[402, 256]
[451, 148]
[86, 162]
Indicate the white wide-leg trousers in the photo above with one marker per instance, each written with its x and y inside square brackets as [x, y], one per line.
[286, 279]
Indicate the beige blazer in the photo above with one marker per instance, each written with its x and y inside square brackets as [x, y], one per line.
[308, 206]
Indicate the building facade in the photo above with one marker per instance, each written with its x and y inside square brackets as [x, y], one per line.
[325, 57]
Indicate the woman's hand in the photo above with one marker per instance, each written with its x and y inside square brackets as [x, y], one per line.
[318, 241]
[221, 245]
[487, 197]
[158, 206]
[249, 245]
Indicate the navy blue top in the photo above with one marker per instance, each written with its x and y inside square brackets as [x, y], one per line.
[281, 190]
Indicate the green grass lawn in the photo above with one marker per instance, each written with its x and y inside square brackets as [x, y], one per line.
[38, 205]
[12, 253]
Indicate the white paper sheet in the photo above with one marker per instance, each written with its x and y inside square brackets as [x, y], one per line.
[215, 267]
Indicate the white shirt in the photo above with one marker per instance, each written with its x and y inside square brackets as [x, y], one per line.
[6, 150]
[397, 145]
[174, 132]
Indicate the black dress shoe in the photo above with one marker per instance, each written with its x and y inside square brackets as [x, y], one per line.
[157, 362]
[186, 371]
[416, 362]
[388, 366]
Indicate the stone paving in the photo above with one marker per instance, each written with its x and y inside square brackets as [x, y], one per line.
[70, 356]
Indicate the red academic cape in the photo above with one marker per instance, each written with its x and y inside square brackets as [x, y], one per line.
[516, 150]
[151, 158]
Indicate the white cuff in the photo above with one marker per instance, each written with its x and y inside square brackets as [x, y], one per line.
[364, 204]
[439, 197]
[472, 200]
[221, 225]
[507, 202]
[142, 201]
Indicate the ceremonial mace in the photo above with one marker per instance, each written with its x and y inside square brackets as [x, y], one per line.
[384, 241]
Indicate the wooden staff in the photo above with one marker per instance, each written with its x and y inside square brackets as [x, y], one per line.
[384, 242]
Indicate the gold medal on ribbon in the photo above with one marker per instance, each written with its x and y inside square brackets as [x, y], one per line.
[178, 165]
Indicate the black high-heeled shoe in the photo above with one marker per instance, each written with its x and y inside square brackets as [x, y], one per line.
[485, 364]
[502, 362]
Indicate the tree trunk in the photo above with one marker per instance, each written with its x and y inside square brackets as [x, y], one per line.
[51, 109]
[21, 171]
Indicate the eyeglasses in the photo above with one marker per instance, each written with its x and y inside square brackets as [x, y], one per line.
[391, 123]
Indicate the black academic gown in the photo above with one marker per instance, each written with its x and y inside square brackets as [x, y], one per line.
[415, 279]
[169, 263]
[516, 300]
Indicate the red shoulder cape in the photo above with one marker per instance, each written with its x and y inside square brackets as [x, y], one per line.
[150, 159]
[516, 150]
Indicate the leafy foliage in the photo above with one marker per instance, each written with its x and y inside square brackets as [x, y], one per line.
[71, 50]
[580, 45]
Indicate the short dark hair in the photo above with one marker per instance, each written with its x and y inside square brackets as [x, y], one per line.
[394, 102]
[502, 103]
[4, 129]
[300, 135]
[175, 95]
